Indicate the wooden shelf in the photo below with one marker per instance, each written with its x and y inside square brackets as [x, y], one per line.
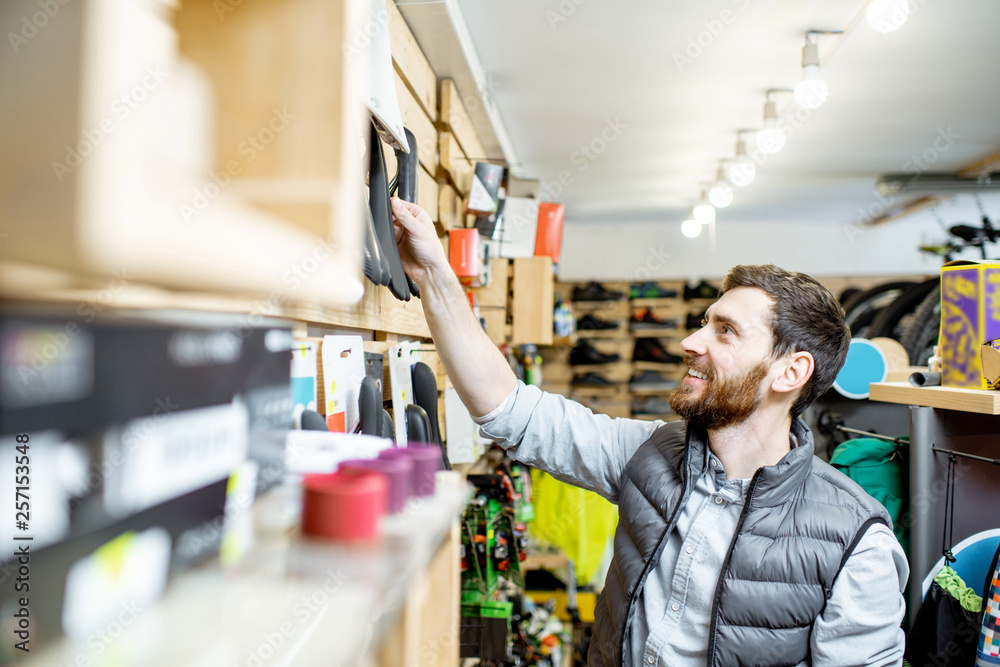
[663, 418]
[676, 332]
[653, 366]
[591, 306]
[619, 334]
[672, 303]
[545, 561]
[651, 392]
[964, 400]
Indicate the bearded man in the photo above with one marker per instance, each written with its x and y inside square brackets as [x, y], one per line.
[735, 544]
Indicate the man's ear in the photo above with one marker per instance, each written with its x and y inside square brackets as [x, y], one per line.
[799, 367]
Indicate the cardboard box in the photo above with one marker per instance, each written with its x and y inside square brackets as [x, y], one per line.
[970, 318]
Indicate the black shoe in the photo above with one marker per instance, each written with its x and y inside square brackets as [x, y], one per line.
[652, 405]
[645, 320]
[591, 380]
[694, 321]
[585, 354]
[596, 292]
[702, 290]
[651, 380]
[590, 323]
[649, 349]
[650, 290]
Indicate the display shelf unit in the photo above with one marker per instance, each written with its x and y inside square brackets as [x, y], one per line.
[948, 398]
[277, 235]
[303, 601]
[617, 400]
[949, 419]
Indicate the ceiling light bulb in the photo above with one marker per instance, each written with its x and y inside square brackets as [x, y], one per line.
[691, 228]
[703, 214]
[742, 173]
[811, 91]
[888, 15]
[721, 195]
[772, 138]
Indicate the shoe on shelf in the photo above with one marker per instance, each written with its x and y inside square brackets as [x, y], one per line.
[650, 349]
[646, 320]
[651, 380]
[651, 405]
[703, 290]
[694, 320]
[585, 354]
[595, 292]
[591, 380]
[590, 323]
[650, 290]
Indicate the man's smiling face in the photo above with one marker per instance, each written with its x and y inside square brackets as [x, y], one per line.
[728, 361]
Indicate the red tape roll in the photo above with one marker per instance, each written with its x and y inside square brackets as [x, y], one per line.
[345, 505]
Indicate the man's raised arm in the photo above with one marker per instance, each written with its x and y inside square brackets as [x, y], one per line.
[480, 374]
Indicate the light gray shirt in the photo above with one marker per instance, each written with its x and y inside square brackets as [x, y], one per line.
[858, 626]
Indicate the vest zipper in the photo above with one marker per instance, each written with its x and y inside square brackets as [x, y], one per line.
[685, 494]
[713, 628]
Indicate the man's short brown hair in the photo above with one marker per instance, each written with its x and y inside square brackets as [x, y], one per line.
[805, 317]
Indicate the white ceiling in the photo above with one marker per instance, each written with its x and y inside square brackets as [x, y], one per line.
[560, 70]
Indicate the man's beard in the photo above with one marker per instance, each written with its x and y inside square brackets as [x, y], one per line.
[721, 403]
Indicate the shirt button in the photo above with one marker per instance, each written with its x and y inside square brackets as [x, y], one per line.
[718, 500]
[675, 606]
[651, 660]
[690, 550]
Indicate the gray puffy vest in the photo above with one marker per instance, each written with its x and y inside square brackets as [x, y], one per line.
[799, 523]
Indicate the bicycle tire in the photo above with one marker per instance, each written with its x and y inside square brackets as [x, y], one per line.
[921, 335]
[847, 294]
[890, 321]
[862, 308]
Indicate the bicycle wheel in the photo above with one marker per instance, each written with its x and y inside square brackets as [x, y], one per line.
[893, 320]
[921, 336]
[862, 308]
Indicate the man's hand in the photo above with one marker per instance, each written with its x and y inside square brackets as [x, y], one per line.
[481, 374]
[419, 247]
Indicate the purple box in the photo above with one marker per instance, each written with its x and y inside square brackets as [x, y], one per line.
[970, 317]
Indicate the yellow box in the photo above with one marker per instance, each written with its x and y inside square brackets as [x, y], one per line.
[970, 318]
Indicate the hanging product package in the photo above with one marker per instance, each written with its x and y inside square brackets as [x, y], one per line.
[343, 371]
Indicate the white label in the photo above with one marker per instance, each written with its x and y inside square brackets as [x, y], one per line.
[400, 359]
[343, 373]
[154, 459]
[116, 584]
[460, 428]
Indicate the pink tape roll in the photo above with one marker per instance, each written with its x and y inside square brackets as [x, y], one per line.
[399, 472]
[426, 461]
[345, 505]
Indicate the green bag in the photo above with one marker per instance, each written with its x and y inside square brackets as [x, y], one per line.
[880, 468]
